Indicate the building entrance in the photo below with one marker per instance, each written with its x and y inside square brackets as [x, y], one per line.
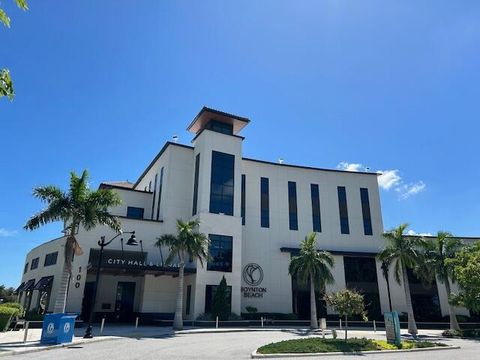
[124, 301]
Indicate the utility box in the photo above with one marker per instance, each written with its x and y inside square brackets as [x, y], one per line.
[57, 328]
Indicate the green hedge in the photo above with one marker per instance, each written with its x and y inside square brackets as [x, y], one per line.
[13, 305]
[6, 314]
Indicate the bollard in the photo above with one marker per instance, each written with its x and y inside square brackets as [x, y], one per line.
[261, 319]
[374, 326]
[25, 328]
[340, 323]
[102, 325]
[216, 322]
[136, 323]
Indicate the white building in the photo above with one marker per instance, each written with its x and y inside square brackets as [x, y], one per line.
[255, 213]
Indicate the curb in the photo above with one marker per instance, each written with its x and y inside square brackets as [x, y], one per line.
[255, 355]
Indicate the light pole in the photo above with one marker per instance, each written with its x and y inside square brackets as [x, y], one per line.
[385, 267]
[132, 242]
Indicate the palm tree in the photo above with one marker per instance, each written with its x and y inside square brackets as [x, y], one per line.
[403, 252]
[188, 242]
[313, 266]
[437, 250]
[78, 207]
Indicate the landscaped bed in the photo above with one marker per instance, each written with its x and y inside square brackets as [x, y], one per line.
[316, 345]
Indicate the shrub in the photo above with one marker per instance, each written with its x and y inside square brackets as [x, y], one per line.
[13, 305]
[6, 314]
[251, 309]
[234, 317]
[205, 317]
[221, 303]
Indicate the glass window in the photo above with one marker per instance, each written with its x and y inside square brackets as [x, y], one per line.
[222, 183]
[220, 127]
[316, 217]
[342, 205]
[210, 294]
[134, 212]
[243, 198]
[220, 251]
[195, 185]
[51, 259]
[160, 193]
[154, 195]
[25, 269]
[34, 263]
[367, 219]
[292, 205]
[264, 203]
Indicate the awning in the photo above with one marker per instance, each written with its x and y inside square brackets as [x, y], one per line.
[43, 283]
[20, 288]
[27, 286]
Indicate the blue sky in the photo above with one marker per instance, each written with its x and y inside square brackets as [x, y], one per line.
[389, 85]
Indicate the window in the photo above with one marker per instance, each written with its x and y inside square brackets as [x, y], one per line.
[243, 198]
[367, 219]
[220, 127]
[25, 269]
[264, 203]
[292, 205]
[150, 186]
[160, 193]
[222, 183]
[220, 251]
[154, 195]
[135, 212]
[210, 294]
[189, 299]
[51, 259]
[195, 185]
[343, 211]
[34, 263]
[316, 218]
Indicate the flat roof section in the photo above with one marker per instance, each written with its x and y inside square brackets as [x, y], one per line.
[207, 114]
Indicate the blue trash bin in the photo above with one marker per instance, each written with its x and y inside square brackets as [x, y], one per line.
[57, 328]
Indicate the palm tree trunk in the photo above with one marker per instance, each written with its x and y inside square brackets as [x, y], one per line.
[178, 319]
[412, 325]
[313, 305]
[451, 311]
[61, 298]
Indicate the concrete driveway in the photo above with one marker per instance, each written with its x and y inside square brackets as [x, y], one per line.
[230, 345]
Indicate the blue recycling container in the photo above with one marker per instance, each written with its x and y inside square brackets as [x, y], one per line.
[57, 328]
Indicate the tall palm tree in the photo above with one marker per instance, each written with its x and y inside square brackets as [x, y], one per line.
[313, 266]
[403, 252]
[188, 242]
[77, 207]
[437, 250]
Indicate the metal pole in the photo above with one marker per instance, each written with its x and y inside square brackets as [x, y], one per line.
[261, 319]
[102, 325]
[216, 322]
[136, 323]
[88, 332]
[374, 326]
[25, 335]
[340, 323]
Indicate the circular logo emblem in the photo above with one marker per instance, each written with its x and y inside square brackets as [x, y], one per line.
[253, 274]
[50, 328]
[66, 328]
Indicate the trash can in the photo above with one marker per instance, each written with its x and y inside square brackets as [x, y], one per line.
[57, 328]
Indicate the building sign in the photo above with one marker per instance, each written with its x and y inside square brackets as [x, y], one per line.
[392, 327]
[253, 276]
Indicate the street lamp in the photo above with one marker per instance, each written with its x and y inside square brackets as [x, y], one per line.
[131, 242]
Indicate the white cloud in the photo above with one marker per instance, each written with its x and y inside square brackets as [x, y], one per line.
[414, 233]
[388, 179]
[412, 189]
[7, 233]
[350, 166]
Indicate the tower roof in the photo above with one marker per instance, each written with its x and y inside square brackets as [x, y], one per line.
[207, 114]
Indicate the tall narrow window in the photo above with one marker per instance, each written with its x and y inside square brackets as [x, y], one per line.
[189, 299]
[195, 185]
[343, 211]
[367, 219]
[292, 205]
[243, 198]
[154, 195]
[222, 183]
[160, 193]
[150, 185]
[264, 203]
[316, 218]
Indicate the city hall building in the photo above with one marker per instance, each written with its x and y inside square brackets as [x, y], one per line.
[255, 213]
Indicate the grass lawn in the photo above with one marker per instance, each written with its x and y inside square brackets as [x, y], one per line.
[318, 345]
